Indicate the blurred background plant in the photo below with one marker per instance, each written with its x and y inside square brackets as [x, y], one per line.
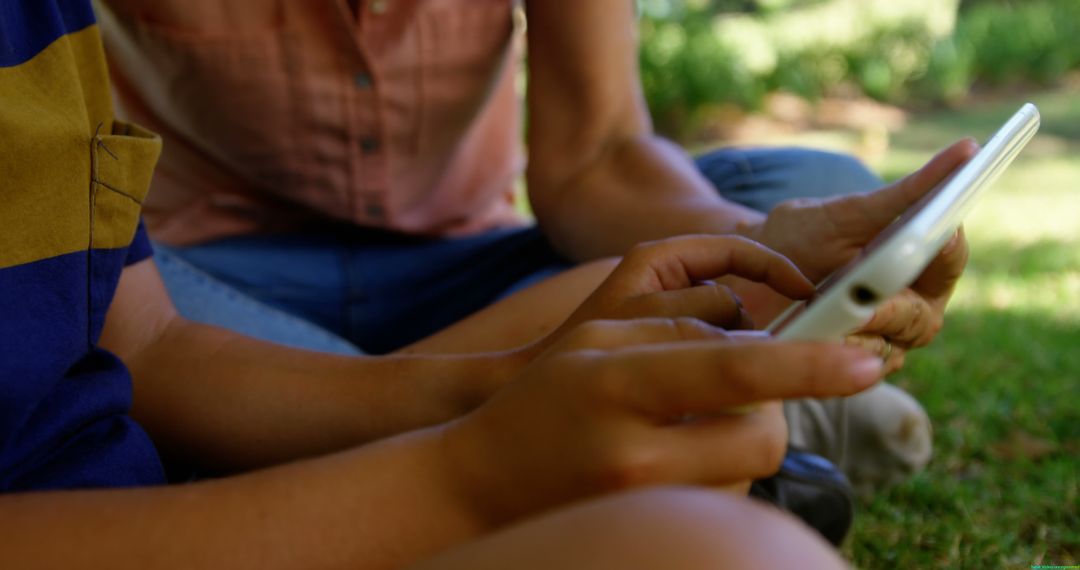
[698, 55]
[892, 81]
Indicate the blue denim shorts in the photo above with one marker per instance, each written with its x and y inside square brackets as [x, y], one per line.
[377, 291]
[357, 289]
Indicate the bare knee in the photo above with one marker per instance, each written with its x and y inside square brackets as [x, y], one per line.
[675, 528]
[684, 528]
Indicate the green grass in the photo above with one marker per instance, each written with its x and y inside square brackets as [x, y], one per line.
[1002, 383]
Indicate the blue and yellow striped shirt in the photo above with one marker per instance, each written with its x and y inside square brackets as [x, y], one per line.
[72, 179]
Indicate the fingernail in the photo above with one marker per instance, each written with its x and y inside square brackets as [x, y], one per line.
[866, 371]
[750, 335]
[953, 241]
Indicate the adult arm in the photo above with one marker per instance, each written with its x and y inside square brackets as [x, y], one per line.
[600, 181]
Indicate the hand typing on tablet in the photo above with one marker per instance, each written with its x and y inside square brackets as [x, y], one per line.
[597, 413]
[673, 278]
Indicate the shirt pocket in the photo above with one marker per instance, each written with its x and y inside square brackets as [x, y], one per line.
[225, 87]
[121, 165]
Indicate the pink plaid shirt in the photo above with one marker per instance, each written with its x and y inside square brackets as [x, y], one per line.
[280, 114]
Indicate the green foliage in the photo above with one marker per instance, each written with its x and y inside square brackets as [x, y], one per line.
[687, 67]
[667, 8]
[884, 63]
[1000, 43]
[808, 73]
[1035, 40]
[949, 72]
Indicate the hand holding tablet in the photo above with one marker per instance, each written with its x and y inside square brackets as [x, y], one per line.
[847, 298]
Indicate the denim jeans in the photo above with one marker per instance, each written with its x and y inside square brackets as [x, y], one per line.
[372, 291]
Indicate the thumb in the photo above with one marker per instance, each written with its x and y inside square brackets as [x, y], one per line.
[939, 278]
[881, 207]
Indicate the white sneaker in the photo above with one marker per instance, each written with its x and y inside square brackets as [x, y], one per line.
[878, 438]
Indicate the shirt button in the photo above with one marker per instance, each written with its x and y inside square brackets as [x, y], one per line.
[362, 80]
[370, 145]
[379, 6]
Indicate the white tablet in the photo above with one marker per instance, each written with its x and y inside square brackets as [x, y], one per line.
[846, 299]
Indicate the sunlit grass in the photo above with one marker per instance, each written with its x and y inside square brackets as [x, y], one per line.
[1002, 382]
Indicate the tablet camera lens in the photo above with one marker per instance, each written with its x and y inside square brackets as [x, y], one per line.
[863, 295]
